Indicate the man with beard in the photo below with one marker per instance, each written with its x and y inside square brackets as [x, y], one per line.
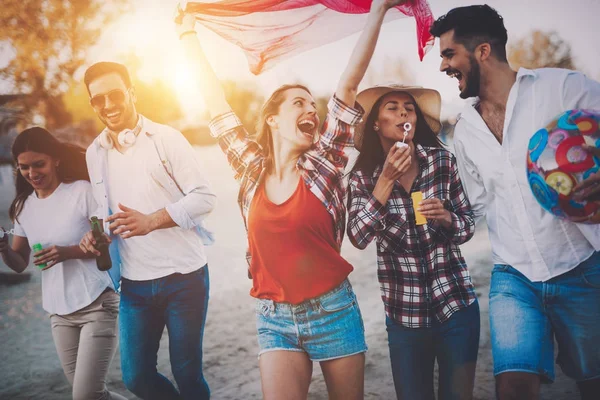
[154, 198]
[546, 279]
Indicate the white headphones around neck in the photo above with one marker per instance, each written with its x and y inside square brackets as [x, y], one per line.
[126, 137]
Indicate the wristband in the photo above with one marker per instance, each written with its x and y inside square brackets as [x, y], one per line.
[185, 33]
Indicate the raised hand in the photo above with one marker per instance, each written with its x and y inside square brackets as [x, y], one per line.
[184, 23]
[388, 3]
[396, 163]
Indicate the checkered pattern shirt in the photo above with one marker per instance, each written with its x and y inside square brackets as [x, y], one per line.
[322, 166]
[421, 271]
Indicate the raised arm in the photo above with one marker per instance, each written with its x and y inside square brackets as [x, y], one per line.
[363, 51]
[208, 83]
[240, 150]
[338, 128]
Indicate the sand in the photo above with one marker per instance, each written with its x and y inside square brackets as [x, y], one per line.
[29, 366]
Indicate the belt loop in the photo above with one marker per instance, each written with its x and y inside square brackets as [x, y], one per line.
[314, 304]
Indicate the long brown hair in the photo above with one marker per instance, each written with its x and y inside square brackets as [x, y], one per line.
[72, 165]
[264, 137]
[371, 152]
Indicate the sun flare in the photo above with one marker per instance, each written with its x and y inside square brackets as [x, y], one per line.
[182, 79]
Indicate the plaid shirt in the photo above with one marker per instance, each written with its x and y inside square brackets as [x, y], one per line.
[322, 165]
[421, 271]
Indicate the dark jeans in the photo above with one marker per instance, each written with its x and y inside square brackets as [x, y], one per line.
[180, 302]
[454, 344]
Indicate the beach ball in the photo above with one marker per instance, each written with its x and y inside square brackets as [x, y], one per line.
[556, 162]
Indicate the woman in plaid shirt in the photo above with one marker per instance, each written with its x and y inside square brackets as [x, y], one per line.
[431, 309]
[292, 203]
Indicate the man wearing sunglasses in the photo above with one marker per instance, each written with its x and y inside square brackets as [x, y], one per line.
[153, 198]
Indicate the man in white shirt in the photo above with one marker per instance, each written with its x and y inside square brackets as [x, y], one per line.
[153, 197]
[546, 279]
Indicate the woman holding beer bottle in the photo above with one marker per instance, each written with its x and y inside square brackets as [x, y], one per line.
[51, 212]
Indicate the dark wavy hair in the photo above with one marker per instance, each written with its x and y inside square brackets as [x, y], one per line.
[474, 25]
[72, 165]
[371, 152]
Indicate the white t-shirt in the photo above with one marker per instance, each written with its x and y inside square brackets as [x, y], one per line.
[161, 252]
[62, 219]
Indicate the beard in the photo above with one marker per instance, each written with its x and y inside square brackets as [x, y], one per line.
[127, 111]
[472, 80]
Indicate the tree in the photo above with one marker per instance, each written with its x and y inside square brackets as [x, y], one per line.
[49, 39]
[541, 49]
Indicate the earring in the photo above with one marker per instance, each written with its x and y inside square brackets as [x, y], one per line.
[376, 127]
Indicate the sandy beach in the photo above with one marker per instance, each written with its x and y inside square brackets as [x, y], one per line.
[29, 366]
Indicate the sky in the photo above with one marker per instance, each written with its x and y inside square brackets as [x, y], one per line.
[149, 32]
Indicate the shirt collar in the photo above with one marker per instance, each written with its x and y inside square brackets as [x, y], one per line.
[470, 113]
[421, 153]
[526, 72]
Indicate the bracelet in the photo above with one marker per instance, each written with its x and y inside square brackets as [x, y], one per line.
[185, 33]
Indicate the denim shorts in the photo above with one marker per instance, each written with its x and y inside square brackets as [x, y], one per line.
[526, 317]
[327, 327]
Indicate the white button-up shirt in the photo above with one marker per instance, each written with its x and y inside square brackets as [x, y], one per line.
[146, 180]
[524, 235]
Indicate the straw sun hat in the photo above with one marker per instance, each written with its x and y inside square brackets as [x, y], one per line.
[428, 100]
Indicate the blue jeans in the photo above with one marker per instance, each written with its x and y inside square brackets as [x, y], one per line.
[180, 302]
[526, 317]
[454, 343]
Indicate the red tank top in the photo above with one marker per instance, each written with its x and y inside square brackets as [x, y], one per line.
[294, 253]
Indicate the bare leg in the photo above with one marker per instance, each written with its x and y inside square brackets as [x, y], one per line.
[518, 386]
[345, 377]
[285, 375]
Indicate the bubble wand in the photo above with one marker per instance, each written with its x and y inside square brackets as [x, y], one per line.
[407, 127]
[6, 233]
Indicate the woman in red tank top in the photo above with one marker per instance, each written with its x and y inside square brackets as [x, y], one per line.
[292, 202]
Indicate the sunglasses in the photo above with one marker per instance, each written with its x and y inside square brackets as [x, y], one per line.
[115, 96]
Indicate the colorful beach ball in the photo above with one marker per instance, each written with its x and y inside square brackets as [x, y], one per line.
[556, 162]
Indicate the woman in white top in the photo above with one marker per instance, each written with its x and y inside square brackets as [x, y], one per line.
[52, 207]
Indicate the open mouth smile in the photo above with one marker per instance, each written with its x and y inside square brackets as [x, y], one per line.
[307, 126]
[455, 74]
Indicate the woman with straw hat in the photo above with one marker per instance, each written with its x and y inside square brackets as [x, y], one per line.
[431, 308]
